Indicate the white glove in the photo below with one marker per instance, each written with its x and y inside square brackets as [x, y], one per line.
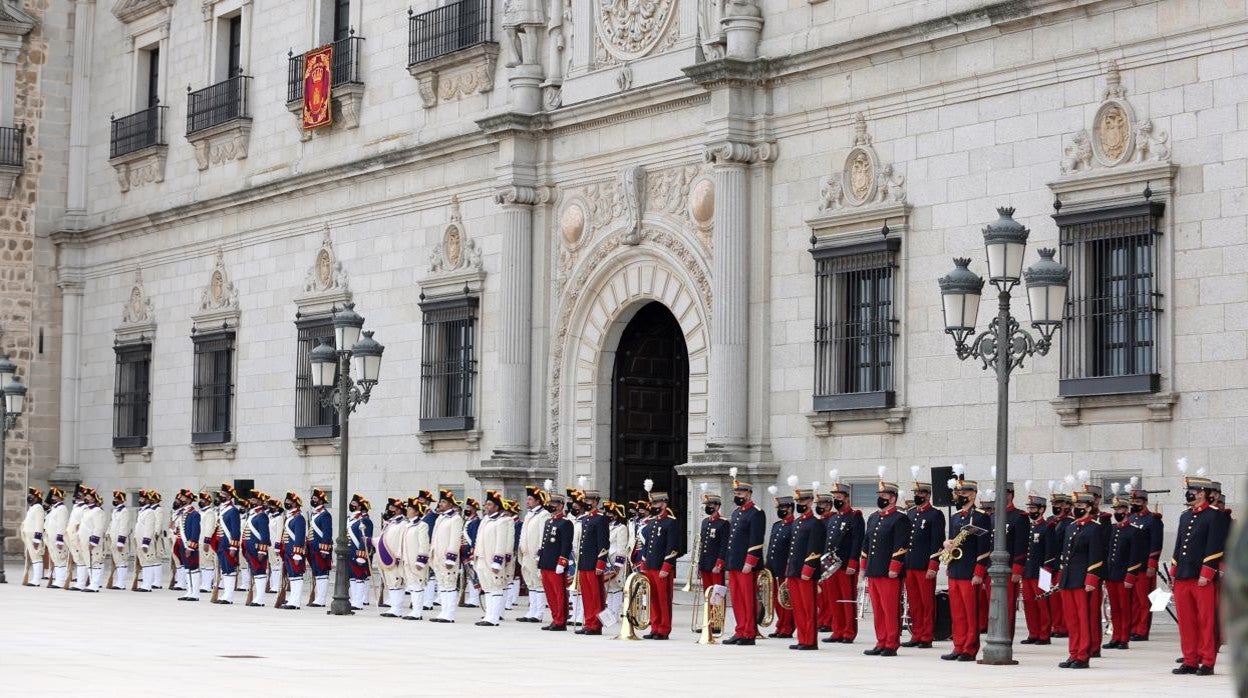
[558, 569]
[296, 558]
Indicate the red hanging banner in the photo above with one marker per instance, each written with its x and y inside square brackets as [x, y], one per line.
[318, 87]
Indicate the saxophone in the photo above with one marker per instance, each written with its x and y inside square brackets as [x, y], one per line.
[954, 553]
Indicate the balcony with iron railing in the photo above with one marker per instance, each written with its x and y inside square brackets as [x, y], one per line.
[345, 67]
[138, 131]
[451, 50]
[218, 104]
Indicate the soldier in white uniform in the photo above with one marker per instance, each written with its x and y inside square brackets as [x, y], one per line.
[496, 539]
[120, 526]
[445, 541]
[416, 555]
[182, 504]
[535, 518]
[80, 571]
[617, 556]
[277, 524]
[91, 530]
[55, 525]
[390, 557]
[511, 596]
[32, 537]
[147, 534]
[207, 556]
[163, 544]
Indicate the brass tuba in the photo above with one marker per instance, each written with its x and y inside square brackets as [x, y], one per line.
[782, 596]
[636, 612]
[714, 612]
[765, 602]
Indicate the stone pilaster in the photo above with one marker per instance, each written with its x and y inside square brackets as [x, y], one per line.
[67, 472]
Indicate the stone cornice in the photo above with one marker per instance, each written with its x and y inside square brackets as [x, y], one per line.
[731, 152]
[510, 123]
[14, 21]
[730, 72]
[129, 10]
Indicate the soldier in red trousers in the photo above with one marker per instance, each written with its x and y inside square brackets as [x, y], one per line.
[809, 536]
[1198, 551]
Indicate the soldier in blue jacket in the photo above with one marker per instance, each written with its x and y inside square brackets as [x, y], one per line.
[967, 570]
[801, 577]
[744, 555]
[227, 540]
[1124, 567]
[778, 545]
[1041, 542]
[712, 542]
[1155, 532]
[844, 533]
[256, 547]
[885, 544]
[1197, 559]
[320, 546]
[658, 559]
[591, 563]
[472, 523]
[188, 558]
[1081, 566]
[294, 538]
[360, 542]
[553, 558]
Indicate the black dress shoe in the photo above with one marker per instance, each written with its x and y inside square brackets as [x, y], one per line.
[288, 607]
[1204, 670]
[557, 628]
[1136, 637]
[440, 620]
[825, 628]
[357, 608]
[847, 641]
[1184, 669]
[831, 639]
[888, 652]
[915, 643]
[731, 641]
[1044, 642]
[582, 632]
[1111, 645]
[486, 624]
[1066, 664]
[316, 605]
[599, 632]
[924, 645]
[780, 636]
[146, 591]
[647, 636]
[873, 651]
[803, 647]
[110, 588]
[951, 657]
[255, 605]
[744, 642]
[388, 614]
[170, 589]
[1028, 641]
[1078, 665]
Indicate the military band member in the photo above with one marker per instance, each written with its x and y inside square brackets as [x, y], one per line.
[1124, 567]
[1105, 520]
[277, 525]
[1017, 529]
[445, 546]
[491, 555]
[429, 506]
[826, 599]
[391, 558]
[511, 595]
[207, 526]
[32, 537]
[147, 531]
[809, 540]
[415, 555]
[746, 529]
[988, 505]
[1041, 544]
[256, 544]
[591, 563]
[530, 543]
[226, 539]
[553, 558]
[91, 532]
[294, 537]
[472, 523]
[617, 556]
[713, 542]
[187, 546]
[637, 514]
[844, 536]
[1080, 569]
[1059, 521]
[320, 547]
[778, 544]
[117, 541]
[967, 573]
[182, 503]
[885, 545]
[1154, 531]
[359, 549]
[576, 509]
[1197, 559]
[74, 543]
[927, 536]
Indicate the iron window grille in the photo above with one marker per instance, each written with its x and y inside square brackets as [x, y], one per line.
[12, 146]
[447, 29]
[217, 104]
[448, 367]
[855, 330]
[213, 389]
[345, 67]
[312, 419]
[1109, 337]
[142, 129]
[132, 394]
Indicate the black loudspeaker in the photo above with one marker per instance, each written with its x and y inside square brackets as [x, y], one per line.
[244, 488]
[942, 496]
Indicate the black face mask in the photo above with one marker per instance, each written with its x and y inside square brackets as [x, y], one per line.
[289, 506]
[1119, 516]
[1137, 508]
[1080, 513]
[838, 504]
[739, 501]
[919, 500]
[654, 511]
[709, 510]
[1057, 510]
[1034, 515]
[821, 509]
[783, 513]
[802, 508]
[960, 501]
[1189, 496]
[550, 508]
[881, 503]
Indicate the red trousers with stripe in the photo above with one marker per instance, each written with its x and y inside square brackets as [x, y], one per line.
[964, 609]
[921, 592]
[1143, 622]
[710, 579]
[1095, 629]
[593, 600]
[660, 604]
[1121, 609]
[1056, 614]
[1197, 609]
[556, 597]
[1076, 604]
[1036, 611]
[744, 590]
[802, 594]
[844, 610]
[784, 616]
[885, 593]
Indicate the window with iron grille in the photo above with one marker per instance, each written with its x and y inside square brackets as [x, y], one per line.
[448, 368]
[1109, 338]
[213, 389]
[854, 326]
[312, 419]
[132, 394]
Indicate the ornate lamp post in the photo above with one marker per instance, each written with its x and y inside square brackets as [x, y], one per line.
[331, 376]
[14, 403]
[1003, 347]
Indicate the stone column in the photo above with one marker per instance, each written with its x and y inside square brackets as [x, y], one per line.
[79, 119]
[67, 472]
[515, 337]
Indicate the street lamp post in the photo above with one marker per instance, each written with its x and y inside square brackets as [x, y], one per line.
[14, 403]
[1003, 347]
[331, 376]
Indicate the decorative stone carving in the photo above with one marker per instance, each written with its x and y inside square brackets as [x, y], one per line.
[624, 78]
[861, 180]
[146, 166]
[710, 31]
[702, 204]
[137, 310]
[740, 153]
[626, 30]
[743, 29]
[222, 143]
[572, 224]
[326, 272]
[522, 22]
[219, 294]
[1115, 137]
[457, 251]
[129, 10]
[456, 75]
[629, 204]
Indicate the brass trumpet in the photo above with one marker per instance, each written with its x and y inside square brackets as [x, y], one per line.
[635, 614]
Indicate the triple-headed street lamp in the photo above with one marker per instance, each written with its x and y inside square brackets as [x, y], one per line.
[331, 376]
[14, 403]
[1003, 347]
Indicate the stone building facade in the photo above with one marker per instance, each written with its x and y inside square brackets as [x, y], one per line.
[658, 240]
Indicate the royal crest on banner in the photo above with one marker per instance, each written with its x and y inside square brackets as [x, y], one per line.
[318, 87]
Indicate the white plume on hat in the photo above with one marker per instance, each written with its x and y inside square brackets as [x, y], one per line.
[834, 474]
[792, 481]
[732, 472]
[914, 472]
[581, 482]
[881, 470]
[815, 485]
[1181, 464]
[1069, 479]
[548, 485]
[704, 486]
[990, 495]
[951, 483]
[1200, 472]
[1115, 487]
[1027, 486]
[1082, 475]
[648, 485]
[772, 490]
[1134, 482]
[959, 469]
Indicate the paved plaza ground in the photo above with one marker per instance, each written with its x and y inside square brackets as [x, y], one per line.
[124, 643]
